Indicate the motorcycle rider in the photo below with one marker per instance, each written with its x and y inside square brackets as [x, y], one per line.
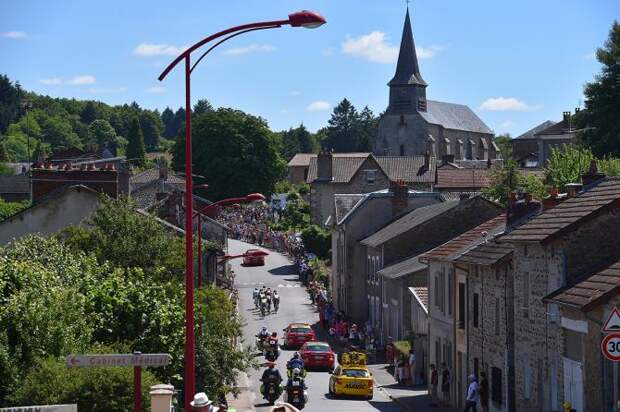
[263, 335]
[272, 343]
[276, 300]
[255, 296]
[271, 374]
[295, 363]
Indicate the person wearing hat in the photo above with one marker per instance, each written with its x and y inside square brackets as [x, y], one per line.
[202, 403]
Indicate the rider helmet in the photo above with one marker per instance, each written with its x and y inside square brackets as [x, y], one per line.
[264, 329]
[274, 334]
[296, 371]
[296, 355]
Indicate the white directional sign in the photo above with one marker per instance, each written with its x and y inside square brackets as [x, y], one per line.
[145, 359]
[613, 322]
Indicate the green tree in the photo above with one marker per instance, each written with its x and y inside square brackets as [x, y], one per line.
[504, 179]
[566, 165]
[503, 141]
[317, 240]
[4, 154]
[202, 106]
[10, 99]
[89, 113]
[297, 140]
[235, 152]
[101, 134]
[152, 128]
[600, 122]
[167, 118]
[58, 132]
[136, 152]
[341, 132]
[367, 129]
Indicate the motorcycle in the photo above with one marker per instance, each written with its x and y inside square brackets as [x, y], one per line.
[296, 395]
[260, 342]
[271, 391]
[276, 304]
[263, 306]
[272, 351]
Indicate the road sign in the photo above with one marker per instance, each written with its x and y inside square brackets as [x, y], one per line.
[613, 322]
[152, 360]
[610, 346]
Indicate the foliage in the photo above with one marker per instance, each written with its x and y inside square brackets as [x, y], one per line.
[5, 170]
[8, 209]
[152, 128]
[296, 214]
[504, 179]
[303, 189]
[93, 389]
[136, 152]
[402, 348]
[167, 118]
[283, 186]
[101, 134]
[503, 141]
[202, 106]
[297, 140]
[531, 183]
[599, 122]
[235, 152]
[566, 165]
[317, 240]
[319, 272]
[10, 99]
[350, 131]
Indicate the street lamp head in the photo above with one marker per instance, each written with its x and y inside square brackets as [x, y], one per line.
[255, 197]
[307, 19]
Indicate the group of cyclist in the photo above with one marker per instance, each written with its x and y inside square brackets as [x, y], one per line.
[264, 298]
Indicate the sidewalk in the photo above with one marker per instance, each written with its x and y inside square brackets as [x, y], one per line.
[244, 402]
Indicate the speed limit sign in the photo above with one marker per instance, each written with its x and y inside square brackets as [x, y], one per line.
[610, 346]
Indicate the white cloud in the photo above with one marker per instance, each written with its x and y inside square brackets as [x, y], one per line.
[327, 51]
[376, 47]
[52, 81]
[252, 48]
[318, 106]
[295, 93]
[82, 80]
[14, 34]
[506, 124]
[149, 49]
[155, 89]
[501, 104]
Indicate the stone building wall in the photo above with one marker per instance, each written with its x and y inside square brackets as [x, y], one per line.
[297, 174]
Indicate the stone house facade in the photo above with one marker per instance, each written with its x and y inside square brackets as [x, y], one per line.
[554, 251]
[298, 168]
[355, 173]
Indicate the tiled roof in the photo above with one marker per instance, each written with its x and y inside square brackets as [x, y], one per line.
[406, 168]
[14, 184]
[558, 128]
[301, 159]
[487, 253]
[152, 175]
[591, 291]
[454, 116]
[462, 178]
[452, 195]
[451, 249]
[421, 293]
[530, 133]
[402, 268]
[569, 213]
[407, 222]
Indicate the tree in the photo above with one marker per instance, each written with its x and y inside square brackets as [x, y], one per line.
[342, 128]
[600, 122]
[167, 118]
[101, 134]
[317, 240]
[367, 129]
[503, 141]
[10, 99]
[4, 154]
[202, 106]
[179, 121]
[89, 113]
[298, 140]
[566, 165]
[136, 152]
[504, 179]
[58, 132]
[152, 128]
[235, 152]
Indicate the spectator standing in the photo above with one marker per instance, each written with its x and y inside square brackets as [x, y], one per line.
[434, 382]
[445, 384]
[412, 366]
[483, 391]
[472, 395]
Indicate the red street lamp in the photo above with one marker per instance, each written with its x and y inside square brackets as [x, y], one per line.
[304, 18]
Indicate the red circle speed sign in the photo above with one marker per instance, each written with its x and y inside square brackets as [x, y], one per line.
[610, 346]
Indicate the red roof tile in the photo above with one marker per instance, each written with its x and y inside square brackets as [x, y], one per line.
[462, 178]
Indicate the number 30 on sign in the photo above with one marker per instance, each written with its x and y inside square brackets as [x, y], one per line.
[610, 346]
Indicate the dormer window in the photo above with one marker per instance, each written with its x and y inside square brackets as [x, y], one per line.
[371, 176]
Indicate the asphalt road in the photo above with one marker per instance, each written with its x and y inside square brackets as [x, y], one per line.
[295, 306]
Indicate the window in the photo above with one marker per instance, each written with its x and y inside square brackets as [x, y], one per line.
[422, 105]
[368, 268]
[305, 174]
[402, 120]
[496, 385]
[371, 176]
[526, 295]
[573, 345]
[442, 290]
[402, 149]
[476, 303]
[476, 366]
[437, 291]
[449, 280]
[497, 316]
[461, 305]
[437, 352]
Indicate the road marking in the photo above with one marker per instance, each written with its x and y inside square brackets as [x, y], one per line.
[289, 285]
[297, 286]
[280, 285]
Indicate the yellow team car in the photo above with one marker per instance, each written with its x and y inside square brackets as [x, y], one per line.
[351, 377]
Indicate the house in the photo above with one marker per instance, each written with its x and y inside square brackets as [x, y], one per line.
[298, 168]
[448, 342]
[350, 173]
[413, 125]
[584, 307]
[14, 188]
[555, 251]
[462, 180]
[357, 216]
[533, 148]
[154, 184]
[392, 254]
[419, 330]
[65, 207]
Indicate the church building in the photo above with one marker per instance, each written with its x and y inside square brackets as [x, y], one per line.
[413, 125]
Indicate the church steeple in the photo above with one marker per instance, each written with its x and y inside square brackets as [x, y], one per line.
[407, 69]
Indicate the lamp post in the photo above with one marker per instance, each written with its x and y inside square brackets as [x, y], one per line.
[304, 18]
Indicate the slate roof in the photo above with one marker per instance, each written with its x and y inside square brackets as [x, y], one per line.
[559, 128]
[462, 178]
[534, 130]
[454, 116]
[570, 213]
[486, 253]
[15, 184]
[301, 159]
[403, 268]
[152, 175]
[453, 248]
[406, 168]
[421, 294]
[407, 69]
[592, 291]
[407, 222]
[344, 203]
[456, 195]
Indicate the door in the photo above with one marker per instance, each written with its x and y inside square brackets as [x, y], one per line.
[573, 383]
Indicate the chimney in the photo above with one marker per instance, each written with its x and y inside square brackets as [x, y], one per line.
[592, 175]
[572, 189]
[400, 198]
[553, 199]
[566, 118]
[324, 165]
[447, 158]
[517, 210]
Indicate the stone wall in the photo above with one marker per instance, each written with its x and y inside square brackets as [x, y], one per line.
[297, 174]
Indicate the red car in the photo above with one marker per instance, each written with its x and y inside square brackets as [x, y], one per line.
[254, 257]
[318, 355]
[296, 334]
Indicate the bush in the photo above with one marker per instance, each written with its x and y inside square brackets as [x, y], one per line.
[402, 347]
[317, 240]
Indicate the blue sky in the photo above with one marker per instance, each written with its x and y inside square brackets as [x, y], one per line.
[516, 63]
